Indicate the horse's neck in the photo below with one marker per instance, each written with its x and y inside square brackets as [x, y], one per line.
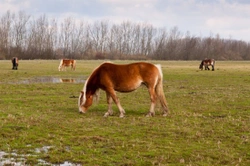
[92, 86]
[92, 90]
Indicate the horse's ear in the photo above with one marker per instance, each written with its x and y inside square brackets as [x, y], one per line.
[82, 92]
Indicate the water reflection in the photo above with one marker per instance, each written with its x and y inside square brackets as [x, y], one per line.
[15, 159]
[68, 80]
[46, 79]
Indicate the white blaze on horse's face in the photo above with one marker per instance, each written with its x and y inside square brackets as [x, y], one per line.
[85, 99]
[84, 102]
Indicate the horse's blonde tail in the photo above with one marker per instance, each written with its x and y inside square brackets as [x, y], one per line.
[160, 93]
[74, 65]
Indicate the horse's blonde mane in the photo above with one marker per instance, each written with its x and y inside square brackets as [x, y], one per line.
[97, 93]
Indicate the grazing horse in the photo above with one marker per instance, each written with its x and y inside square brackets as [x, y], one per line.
[123, 78]
[14, 63]
[66, 63]
[206, 63]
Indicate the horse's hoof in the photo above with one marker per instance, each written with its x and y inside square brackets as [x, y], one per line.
[165, 115]
[122, 116]
[106, 115]
[150, 114]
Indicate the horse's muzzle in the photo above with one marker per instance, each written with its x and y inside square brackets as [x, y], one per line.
[82, 110]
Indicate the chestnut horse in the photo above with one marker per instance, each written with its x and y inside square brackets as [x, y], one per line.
[14, 63]
[206, 63]
[66, 63]
[123, 78]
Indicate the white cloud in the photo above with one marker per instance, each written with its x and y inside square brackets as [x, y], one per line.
[128, 2]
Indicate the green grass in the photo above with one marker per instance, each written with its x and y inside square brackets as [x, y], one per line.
[208, 124]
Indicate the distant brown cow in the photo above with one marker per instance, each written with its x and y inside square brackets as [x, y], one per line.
[66, 63]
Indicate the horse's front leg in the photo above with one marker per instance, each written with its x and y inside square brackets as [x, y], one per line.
[117, 102]
[109, 101]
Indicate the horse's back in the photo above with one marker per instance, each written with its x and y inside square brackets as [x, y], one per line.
[132, 69]
[208, 61]
[68, 62]
[126, 77]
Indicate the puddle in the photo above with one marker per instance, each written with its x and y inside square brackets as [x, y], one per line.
[14, 159]
[44, 149]
[10, 160]
[48, 79]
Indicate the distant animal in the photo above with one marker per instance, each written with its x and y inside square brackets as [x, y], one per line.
[206, 63]
[123, 78]
[14, 63]
[66, 63]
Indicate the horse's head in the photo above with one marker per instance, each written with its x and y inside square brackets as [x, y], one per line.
[85, 101]
[201, 65]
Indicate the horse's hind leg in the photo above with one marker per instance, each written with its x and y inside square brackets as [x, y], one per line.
[109, 101]
[212, 67]
[153, 99]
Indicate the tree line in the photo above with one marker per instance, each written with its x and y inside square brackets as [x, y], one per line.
[27, 37]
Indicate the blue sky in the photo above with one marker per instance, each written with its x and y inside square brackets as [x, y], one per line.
[202, 18]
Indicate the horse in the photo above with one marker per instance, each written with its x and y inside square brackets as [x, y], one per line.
[206, 63]
[14, 61]
[112, 77]
[66, 63]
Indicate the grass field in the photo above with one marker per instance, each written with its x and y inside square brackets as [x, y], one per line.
[208, 124]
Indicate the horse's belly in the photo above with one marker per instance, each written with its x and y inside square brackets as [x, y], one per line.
[128, 87]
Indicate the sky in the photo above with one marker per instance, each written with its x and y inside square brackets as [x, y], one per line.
[201, 18]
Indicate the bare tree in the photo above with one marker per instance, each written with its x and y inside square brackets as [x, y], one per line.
[5, 36]
[66, 31]
[188, 44]
[160, 44]
[99, 35]
[20, 30]
[46, 38]
[41, 38]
